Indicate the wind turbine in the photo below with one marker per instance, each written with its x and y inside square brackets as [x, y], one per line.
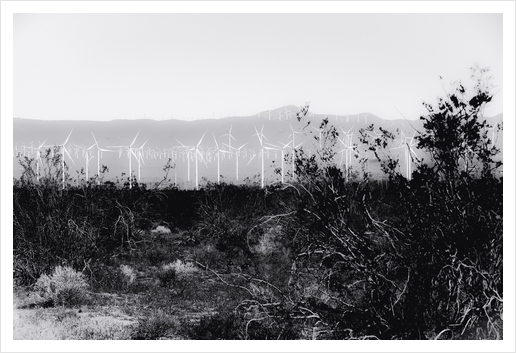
[185, 153]
[282, 150]
[294, 147]
[99, 155]
[230, 136]
[87, 157]
[38, 159]
[261, 137]
[348, 148]
[197, 152]
[218, 158]
[237, 154]
[410, 150]
[283, 147]
[63, 151]
[407, 149]
[130, 153]
[139, 157]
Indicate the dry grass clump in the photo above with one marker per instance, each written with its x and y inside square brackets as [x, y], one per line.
[173, 271]
[161, 230]
[180, 267]
[64, 287]
[128, 275]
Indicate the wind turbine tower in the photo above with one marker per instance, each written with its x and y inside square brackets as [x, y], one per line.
[63, 151]
[130, 153]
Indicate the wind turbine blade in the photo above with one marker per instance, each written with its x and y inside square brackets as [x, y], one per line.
[89, 148]
[412, 139]
[242, 146]
[269, 148]
[94, 138]
[132, 143]
[251, 159]
[69, 156]
[231, 135]
[180, 143]
[42, 144]
[68, 137]
[285, 145]
[271, 145]
[214, 139]
[201, 139]
[144, 144]
[258, 135]
[202, 158]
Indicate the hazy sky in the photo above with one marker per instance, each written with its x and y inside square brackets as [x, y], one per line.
[109, 66]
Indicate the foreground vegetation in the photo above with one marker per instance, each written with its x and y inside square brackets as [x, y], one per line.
[329, 256]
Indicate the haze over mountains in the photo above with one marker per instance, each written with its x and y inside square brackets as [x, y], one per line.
[163, 137]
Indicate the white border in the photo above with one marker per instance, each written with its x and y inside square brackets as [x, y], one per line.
[8, 8]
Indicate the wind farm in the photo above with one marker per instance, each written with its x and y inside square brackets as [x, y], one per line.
[248, 154]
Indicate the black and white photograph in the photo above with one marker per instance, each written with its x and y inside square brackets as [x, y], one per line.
[284, 172]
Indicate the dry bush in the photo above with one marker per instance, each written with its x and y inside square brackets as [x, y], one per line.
[175, 271]
[128, 275]
[64, 286]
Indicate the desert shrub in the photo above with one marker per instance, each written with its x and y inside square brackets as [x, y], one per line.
[157, 325]
[449, 215]
[64, 286]
[407, 259]
[175, 273]
[181, 268]
[128, 275]
[455, 224]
